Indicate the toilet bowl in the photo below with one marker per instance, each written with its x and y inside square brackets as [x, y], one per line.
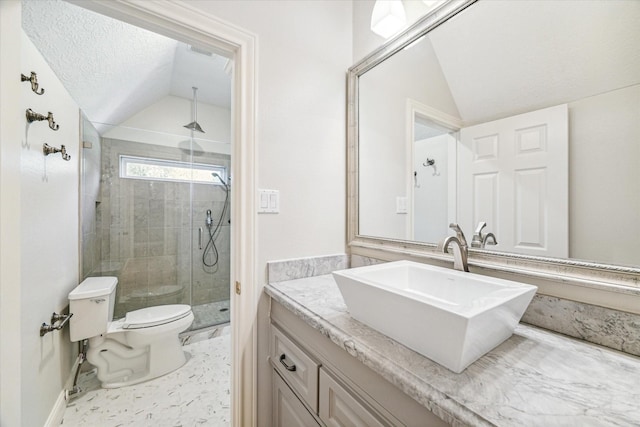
[141, 346]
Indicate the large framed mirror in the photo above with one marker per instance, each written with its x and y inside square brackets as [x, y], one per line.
[521, 115]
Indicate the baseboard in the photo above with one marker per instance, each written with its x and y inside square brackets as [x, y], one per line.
[57, 412]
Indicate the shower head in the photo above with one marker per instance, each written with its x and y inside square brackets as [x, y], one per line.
[194, 124]
[215, 175]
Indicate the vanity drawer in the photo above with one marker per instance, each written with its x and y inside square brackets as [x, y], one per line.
[298, 369]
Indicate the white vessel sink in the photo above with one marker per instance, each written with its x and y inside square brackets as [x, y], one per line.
[449, 316]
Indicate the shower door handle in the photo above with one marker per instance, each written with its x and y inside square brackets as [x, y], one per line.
[200, 238]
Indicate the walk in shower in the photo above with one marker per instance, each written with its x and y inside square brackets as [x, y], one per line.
[162, 224]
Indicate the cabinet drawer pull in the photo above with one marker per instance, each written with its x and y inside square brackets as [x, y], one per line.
[291, 368]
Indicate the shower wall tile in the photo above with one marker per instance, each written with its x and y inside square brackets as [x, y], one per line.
[140, 212]
[126, 246]
[150, 230]
[156, 242]
[156, 213]
[185, 215]
[171, 190]
[171, 241]
[141, 189]
[114, 242]
[156, 190]
[105, 246]
[172, 216]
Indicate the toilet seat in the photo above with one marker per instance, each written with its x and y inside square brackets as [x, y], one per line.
[154, 316]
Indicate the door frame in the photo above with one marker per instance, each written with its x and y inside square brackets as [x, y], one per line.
[415, 108]
[185, 23]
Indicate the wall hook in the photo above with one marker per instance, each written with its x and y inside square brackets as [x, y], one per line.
[32, 116]
[34, 82]
[432, 163]
[47, 149]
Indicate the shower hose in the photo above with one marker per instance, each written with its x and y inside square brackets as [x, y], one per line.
[210, 250]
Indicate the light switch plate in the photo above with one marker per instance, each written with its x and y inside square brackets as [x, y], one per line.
[268, 201]
[401, 205]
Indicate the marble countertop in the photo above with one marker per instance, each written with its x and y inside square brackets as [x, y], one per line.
[535, 378]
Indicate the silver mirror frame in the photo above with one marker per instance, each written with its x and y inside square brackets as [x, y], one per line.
[608, 285]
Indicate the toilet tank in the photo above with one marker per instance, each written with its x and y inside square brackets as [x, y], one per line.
[92, 303]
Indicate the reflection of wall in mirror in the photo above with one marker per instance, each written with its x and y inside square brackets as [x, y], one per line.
[383, 173]
[430, 202]
[604, 177]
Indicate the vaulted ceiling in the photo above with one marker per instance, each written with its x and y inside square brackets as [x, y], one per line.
[506, 57]
[112, 69]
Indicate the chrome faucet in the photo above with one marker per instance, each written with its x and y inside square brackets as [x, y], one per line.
[460, 248]
[479, 240]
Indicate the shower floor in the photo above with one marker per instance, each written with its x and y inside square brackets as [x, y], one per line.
[196, 394]
[210, 314]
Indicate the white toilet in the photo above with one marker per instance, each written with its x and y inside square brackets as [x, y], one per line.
[141, 346]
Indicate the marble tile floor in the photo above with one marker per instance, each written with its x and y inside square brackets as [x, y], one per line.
[197, 394]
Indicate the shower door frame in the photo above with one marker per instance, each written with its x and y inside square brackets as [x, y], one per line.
[184, 23]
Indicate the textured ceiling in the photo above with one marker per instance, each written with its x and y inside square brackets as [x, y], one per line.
[114, 70]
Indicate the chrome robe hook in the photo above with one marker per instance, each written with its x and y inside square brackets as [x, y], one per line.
[34, 82]
[32, 116]
[47, 149]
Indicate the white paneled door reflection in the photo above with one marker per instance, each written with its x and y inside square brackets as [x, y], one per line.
[513, 175]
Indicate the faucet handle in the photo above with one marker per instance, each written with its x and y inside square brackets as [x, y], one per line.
[478, 239]
[479, 228]
[455, 227]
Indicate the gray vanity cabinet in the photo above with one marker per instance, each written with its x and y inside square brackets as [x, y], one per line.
[288, 410]
[317, 383]
[338, 407]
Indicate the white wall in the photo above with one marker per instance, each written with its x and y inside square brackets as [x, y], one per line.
[11, 118]
[304, 50]
[162, 123]
[47, 244]
[431, 217]
[383, 131]
[604, 177]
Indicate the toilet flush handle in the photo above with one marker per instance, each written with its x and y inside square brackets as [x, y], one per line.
[98, 300]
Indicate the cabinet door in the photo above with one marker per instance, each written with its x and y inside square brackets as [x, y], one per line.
[296, 367]
[338, 408]
[288, 411]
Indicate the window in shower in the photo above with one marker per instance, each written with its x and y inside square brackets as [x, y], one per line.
[170, 170]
